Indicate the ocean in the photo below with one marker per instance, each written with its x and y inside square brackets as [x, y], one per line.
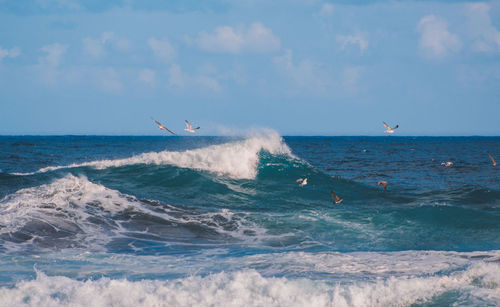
[222, 221]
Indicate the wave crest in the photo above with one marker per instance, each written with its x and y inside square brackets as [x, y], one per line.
[477, 285]
[238, 160]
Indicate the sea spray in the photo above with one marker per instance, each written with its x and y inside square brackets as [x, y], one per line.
[238, 160]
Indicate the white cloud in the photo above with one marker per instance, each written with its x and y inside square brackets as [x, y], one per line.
[324, 18]
[95, 47]
[54, 53]
[306, 74]
[435, 40]
[179, 79]
[355, 39]
[162, 49]
[12, 53]
[326, 10]
[225, 39]
[48, 64]
[148, 76]
[52, 73]
[3, 53]
[486, 38]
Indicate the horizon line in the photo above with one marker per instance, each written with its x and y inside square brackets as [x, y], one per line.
[237, 135]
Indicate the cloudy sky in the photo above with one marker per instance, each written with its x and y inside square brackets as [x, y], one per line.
[300, 67]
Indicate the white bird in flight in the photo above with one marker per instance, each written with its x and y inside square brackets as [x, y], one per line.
[160, 126]
[189, 128]
[302, 182]
[448, 163]
[389, 130]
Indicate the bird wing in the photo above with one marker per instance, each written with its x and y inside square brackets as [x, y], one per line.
[335, 197]
[188, 125]
[157, 122]
[386, 126]
[383, 183]
[196, 128]
[492, 160]
[168, 129]
[395, 127]
[161, 126]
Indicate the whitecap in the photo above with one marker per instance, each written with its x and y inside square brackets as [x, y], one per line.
[238, 160]
[75, 212]
[478, 284]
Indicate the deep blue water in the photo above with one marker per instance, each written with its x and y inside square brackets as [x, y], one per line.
[222, 221]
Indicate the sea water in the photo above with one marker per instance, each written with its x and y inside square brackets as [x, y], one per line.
[222, 221]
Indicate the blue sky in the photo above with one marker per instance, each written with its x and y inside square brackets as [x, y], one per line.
[300, 67]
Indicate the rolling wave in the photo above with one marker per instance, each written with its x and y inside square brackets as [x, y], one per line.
[73, 212]
[238, 160]
[477, 284]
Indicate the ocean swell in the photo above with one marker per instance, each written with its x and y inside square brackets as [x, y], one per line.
[238, 160]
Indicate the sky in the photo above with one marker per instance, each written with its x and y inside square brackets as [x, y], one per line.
[299, 67]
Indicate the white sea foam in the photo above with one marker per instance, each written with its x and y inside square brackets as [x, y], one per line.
[86, 212]
[477, 284]
[237, 160]
[65, 205]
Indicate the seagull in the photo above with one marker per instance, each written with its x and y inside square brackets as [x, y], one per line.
[160, 126]
[383, 183]
[389, 130]
[493, 160]
[302, 182]
[336, 199]
[189, 128]
[449, 163]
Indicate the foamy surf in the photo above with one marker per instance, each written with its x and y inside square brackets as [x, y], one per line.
[477, 284]
[238, 160]
[74, 212]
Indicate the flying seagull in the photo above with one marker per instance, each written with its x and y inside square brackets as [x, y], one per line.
[449, 163]
[189, 128]
[493, 160]
[336, 199]
[160, 126]
[383, 184]
[389, 130]
[302, 182]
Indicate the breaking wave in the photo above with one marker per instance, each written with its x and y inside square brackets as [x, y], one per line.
[73, 212]
[478, 284]
[238, 160]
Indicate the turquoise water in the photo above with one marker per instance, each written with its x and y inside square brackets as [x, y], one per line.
[222, 221]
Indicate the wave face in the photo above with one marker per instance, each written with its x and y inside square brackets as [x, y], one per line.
[237, 160]
[73, 212]
[223, 221]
